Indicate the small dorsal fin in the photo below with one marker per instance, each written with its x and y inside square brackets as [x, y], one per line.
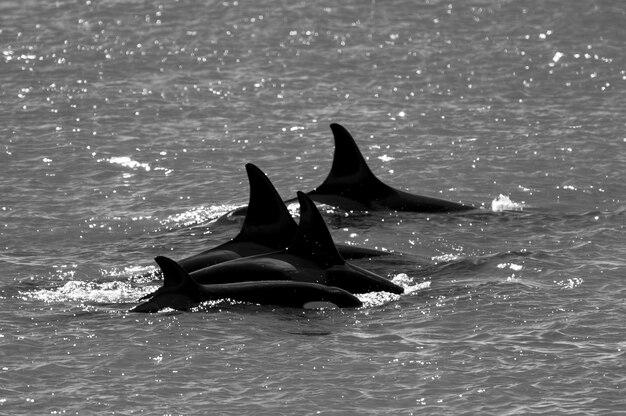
[174, 276]
[179, 290]
[349, 166]
[313, 240]
[267, 222]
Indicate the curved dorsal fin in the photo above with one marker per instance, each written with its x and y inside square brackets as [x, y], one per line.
[175, 278]
[349, 167]
[173, 274]
[267, 221]
[313, 240]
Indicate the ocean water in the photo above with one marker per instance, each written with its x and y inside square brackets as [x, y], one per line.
[125, 128]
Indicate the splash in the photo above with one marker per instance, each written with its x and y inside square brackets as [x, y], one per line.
[374, 299]
[408, 283]
[127, 162]
[512, 266]
[504, 203]
[571, 283]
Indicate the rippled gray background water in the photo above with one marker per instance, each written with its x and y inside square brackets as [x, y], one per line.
[125, 128]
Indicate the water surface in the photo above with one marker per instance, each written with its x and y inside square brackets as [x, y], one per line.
[125, 130]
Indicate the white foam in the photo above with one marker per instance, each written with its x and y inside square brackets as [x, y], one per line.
[570, 283]
[127, 162]
[445, 258]
[76, 291]
[504, 203]
[512, 266]
[374, 299]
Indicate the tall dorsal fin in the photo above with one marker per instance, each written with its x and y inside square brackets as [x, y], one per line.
[313, 240]
[349, 167]
[267, 221]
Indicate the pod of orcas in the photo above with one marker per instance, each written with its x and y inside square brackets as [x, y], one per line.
[275, 261]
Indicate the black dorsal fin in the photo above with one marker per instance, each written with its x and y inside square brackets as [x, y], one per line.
[313, 240]
[267, 221]
[175, 277]
[349, 167]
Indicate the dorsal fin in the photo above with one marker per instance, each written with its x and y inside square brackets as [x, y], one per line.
[313, 240]
[267, 221]
[349, 167]
[179, 290]
[175, 277]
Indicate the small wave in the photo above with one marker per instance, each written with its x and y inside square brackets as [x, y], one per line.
[466, 266]
[198, 215]
[504, 203]
[445, 258]
[135, 271]
[129, 163]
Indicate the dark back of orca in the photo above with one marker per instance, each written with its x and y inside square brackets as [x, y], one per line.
[312, 257]
[268, 226]
[281, 293]
[181, 292]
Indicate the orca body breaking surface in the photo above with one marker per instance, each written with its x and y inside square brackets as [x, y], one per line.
[268, 226]
[181, 292]
[311, 257]
[310, 268]
[351, 186]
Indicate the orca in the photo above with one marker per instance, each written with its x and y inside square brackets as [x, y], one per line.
[311, 257]
[310, 267]
[351, 186]
[181, 292]
[268, 226]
